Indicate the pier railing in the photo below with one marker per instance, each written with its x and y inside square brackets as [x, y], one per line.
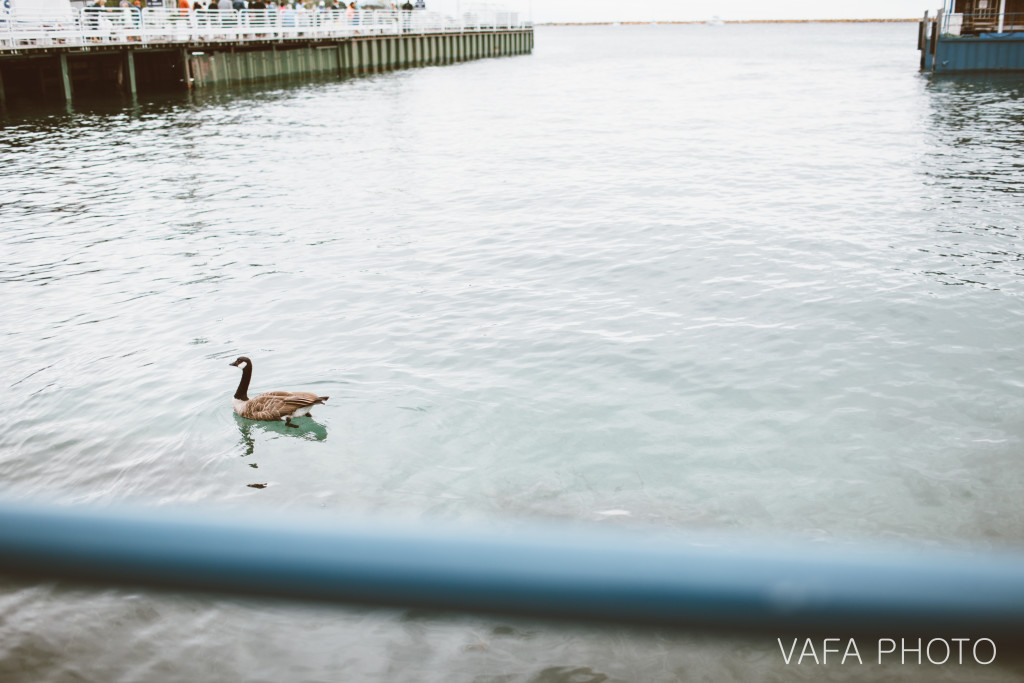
[722, 582]
[26, 29]
[989, 21]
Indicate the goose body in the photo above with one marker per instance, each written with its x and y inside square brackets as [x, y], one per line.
[271, 405]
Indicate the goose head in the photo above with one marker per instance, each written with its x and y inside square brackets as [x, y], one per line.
[242, 362]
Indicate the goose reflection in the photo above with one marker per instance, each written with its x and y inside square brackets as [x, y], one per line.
[306, 428]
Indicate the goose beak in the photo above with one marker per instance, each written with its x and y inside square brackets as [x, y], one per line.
[235, 364]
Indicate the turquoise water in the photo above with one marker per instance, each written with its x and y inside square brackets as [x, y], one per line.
[754, 278]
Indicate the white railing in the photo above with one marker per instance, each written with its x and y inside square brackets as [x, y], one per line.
[21, 29]
[986, 21]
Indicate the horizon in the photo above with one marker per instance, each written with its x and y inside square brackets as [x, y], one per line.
[729, 21]
[677, 11]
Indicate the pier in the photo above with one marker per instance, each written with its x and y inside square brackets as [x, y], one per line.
[972, 36]
[53, 56]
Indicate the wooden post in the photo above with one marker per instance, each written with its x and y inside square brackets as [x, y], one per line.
[922, 38]
[65, 77]
[129, 71]
[186, 73]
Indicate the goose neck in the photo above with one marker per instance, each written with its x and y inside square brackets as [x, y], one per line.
[243, 385]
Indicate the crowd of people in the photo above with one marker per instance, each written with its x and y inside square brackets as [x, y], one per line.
[101, 14]
[334, 5]
[298, 5]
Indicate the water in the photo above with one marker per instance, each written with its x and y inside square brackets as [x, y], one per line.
[755, 278]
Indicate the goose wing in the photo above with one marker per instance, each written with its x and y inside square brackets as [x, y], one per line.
[274, 405]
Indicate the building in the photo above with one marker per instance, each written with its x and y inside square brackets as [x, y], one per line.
[973, 35]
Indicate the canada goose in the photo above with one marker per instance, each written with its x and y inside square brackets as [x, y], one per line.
[271, 405]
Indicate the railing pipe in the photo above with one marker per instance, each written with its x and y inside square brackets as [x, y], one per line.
[706, 581]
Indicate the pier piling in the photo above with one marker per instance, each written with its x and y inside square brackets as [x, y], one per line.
[65, 76]
[129, 71]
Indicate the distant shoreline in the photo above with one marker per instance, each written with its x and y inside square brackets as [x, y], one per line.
[730, 21]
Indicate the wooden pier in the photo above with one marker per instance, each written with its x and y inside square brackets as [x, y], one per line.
[63, 67]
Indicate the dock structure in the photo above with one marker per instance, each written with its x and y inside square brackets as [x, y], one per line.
[973, 36]
[48, 56]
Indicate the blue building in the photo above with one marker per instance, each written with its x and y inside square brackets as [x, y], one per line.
[973, 35]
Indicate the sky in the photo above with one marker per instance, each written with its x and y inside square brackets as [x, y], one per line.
[702, 10]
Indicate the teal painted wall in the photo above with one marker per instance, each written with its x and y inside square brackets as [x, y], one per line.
[957, 55]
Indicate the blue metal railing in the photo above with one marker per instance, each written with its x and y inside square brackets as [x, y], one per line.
[567, 574]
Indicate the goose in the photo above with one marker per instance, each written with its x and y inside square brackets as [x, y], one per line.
[271, 405]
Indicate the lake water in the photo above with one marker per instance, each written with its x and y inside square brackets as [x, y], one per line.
[747, 278]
